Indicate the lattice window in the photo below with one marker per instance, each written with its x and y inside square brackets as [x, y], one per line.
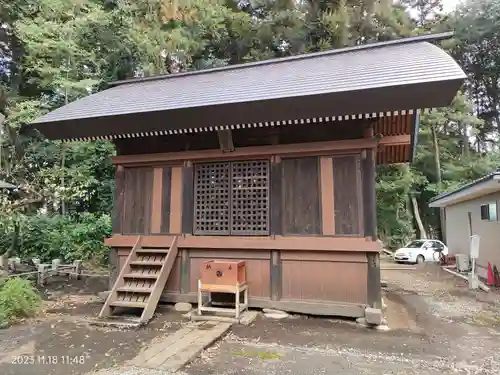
[250, 197]
[211, 192]
[232, 198]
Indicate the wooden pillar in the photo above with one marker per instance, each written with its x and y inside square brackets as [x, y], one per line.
[176, 201]
[276, 196]
[276, 275]
[165, 199]
[369, 195]
[327, 196]
[156, 211]
[185, 271]
[114, 261]
[373, 286]
[187, 198]
[370, 224]
[117, 219]
[119, 200]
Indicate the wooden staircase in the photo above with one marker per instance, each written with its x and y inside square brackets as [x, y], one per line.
[141, 281]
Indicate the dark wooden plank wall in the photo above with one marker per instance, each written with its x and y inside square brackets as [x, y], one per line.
[301, 213]
[165, 201]
[347, 195]
[136, 216]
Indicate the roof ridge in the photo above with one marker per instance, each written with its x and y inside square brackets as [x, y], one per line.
[361, 47]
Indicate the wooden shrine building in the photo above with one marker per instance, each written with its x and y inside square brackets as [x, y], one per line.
[270, 162]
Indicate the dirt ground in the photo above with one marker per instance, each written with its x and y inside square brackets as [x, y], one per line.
[437, 326]
[62, 342]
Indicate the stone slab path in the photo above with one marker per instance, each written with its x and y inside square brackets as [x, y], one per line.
[174, 351]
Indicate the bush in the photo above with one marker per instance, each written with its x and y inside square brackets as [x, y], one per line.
[18, 299]
[49, 237]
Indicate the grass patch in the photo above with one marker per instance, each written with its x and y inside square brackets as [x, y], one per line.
[18, 299]
[261, 355]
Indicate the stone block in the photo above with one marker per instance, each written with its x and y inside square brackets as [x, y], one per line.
[103, 295]
[183, 307]
[248, 317]
[362, 322]
[373, 316]
[274, 311]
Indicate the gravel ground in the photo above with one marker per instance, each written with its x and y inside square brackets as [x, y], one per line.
[438, 327]
[62, 342]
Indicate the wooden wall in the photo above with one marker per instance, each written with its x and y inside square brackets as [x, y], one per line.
[309, 196]
[300, 276]
[301, 212]
[148, 200]
[348, 195]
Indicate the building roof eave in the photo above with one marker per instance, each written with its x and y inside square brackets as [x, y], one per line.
[359, 81]
[482, 186]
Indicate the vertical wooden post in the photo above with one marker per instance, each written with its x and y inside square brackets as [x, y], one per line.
[185, 271]
[156, 214]
[187, 198]
[42, 274]
[276, 196]
[114, 261]
[373, 284]
[370, 224]
[369, 194]
[276, 275]
[55, 266]
[327, 196]
[176, 195]
[119, 199]
[77, 264]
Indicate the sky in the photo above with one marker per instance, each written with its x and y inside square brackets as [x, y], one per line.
[450, 5]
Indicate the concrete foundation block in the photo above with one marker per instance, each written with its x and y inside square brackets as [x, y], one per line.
[382, 328]
[362, 322]
[373, 316]
[183, 307]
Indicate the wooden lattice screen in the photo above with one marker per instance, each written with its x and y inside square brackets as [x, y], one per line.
[250, 198]
[211, 195]
[232, 198]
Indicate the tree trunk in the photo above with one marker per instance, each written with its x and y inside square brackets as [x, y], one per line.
[418, 219]
[437, 158]
[465, 140]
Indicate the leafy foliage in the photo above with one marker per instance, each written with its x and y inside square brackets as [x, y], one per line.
[18, 299]
[56, 51]
[49, 237]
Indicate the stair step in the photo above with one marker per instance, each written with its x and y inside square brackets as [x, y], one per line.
[140, 276]
[120, 303]
[129, 289]
[150, 275]
[145, 263]
[152, 251]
